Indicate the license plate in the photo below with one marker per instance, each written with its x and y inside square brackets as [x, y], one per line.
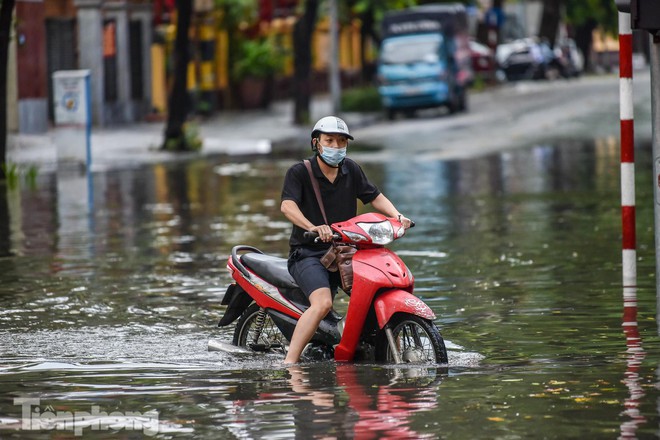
[412, 91]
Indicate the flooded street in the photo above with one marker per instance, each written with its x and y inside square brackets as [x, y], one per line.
[111, 290]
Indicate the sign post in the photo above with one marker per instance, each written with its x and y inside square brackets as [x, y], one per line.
[73, 118]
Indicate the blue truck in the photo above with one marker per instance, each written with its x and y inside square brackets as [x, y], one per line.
[424, 59]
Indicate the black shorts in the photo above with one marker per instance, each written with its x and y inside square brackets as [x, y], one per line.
[305, 267]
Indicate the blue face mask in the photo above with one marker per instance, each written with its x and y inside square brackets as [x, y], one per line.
[333, 156]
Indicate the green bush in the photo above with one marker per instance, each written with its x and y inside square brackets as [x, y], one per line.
[364, 99]
[258, 58]
[13, 173]
[190, 139]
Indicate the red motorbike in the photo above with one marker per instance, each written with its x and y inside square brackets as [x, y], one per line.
[384, 321]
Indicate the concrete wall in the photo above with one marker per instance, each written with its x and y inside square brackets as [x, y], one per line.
[31, 64]
[527, 14]
[90, 43]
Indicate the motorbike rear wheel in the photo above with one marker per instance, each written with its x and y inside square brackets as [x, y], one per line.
[418, 341]
[248, 334]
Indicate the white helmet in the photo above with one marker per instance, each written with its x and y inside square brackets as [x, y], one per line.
[331, 125]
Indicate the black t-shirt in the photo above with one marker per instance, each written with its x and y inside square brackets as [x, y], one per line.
[339, 197]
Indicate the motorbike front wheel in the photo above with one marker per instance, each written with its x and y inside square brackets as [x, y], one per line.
[257, 331]
[418, 341]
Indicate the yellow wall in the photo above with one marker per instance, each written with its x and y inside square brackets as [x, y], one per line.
[158, 79]
[603, 42]
[214, 75]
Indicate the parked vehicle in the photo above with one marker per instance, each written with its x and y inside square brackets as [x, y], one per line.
[523, 59]
[384, 322]
[424, 59]
[570, 58]
[483, 62]
[529, 58]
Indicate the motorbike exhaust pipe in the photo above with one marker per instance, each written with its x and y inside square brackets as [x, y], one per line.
[215, 345]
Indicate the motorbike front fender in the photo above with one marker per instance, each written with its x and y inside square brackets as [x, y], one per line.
[236, 300]
[394, 301]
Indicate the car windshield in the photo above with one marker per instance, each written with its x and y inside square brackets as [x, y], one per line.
[411, 50]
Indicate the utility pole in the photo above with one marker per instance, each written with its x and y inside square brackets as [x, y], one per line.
[643, 15]
[334, 72]
[655, 114]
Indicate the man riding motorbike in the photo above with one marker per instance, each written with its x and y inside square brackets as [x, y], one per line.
[342, 182]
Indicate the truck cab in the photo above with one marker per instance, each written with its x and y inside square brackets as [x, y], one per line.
[424, 59]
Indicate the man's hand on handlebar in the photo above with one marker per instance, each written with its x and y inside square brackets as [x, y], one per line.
[324, 232]
[405, 221]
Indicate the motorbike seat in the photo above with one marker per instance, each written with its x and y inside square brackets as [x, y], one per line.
[275, 271]
[270, 268]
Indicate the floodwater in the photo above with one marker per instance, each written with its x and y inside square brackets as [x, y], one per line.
[111, 289]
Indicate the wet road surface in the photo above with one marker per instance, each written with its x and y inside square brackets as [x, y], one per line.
[112, 290]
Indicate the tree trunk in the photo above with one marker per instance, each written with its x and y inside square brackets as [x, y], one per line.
[367, 32]
[178, 102]
[5, 221]
[550, 21]
[302, 62]
[583, 40]
[498, 5]
[6, 13]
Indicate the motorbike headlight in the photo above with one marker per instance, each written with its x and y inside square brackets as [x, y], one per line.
[355, 237]
[380, 233]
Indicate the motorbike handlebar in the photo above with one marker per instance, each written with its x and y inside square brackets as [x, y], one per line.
[310, 235]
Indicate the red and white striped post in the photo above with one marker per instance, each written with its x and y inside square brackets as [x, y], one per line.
[629, 254]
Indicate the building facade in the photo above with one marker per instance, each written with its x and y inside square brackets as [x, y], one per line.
[112, 39]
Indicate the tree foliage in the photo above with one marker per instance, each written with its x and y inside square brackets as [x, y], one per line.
[235, 15]
[371, 14]
[586, 15]
[379, 7]
[602, 12]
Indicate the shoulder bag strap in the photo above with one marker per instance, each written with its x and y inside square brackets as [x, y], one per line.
[317, 191]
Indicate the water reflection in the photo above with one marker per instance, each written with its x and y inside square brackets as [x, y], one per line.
[635, 355]
[386, 409]
[75, 221]
[538, 169]
[350, 401]
[5, 231]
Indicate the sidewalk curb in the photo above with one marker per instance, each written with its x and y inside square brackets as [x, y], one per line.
[233, 133]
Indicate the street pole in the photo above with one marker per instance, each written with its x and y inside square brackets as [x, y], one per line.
[643, 15]
[335, 81]
[655, 112]
[629, 253]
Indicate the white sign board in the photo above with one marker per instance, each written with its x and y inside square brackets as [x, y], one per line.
[72, 105]
[71, 97]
